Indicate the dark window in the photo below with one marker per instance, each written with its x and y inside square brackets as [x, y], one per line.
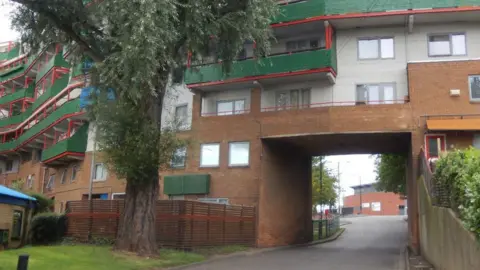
[74, 173]
[17, 224]
[432, 147]
[9, 166]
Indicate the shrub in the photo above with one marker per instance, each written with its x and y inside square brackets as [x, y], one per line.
[47, 228]
[44, 204]
[459, 173]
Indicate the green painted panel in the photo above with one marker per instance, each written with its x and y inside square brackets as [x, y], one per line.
[57, 61]
[13, 72]
[186, 184]
[18, 94]
[67, 108]
[299, 11]
[77, 143]
[57, 86]
[14, 52]
[6, 73]
[270, 65]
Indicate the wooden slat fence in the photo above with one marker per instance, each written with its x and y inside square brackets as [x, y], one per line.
[180, 224]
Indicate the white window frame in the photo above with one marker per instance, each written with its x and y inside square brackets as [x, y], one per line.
[381, 93]
[118, 193]
[301, 103]
[74, 173]
[51, 182]
[451, 44]
[234, 110]
[215, 200]
[379, 48]
[201, 155]
[473, 99]
[230, 164]
[181, 123]
[63, 176]
[184, 158]
[104, 178]
[30, 180]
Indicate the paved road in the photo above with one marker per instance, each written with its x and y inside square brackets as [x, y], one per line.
[369, 243]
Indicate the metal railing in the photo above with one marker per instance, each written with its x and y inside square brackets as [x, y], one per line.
[326, 227]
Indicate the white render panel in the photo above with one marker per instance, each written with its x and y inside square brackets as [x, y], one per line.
[418, 41]
[177, 95]
[320, 93]
[210, 99]
[352, 71]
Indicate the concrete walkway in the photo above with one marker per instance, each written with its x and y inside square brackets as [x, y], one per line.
[369, 243]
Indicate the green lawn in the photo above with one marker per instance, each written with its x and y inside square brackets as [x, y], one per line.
[92, 257]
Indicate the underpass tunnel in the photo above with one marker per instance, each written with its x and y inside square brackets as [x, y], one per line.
[285, 206]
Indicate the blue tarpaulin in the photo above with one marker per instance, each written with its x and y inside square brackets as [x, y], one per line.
[85, 95]
[13, 197]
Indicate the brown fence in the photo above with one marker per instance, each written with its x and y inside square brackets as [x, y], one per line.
[180, 224]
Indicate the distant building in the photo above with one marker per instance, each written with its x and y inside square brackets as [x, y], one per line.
[368, 200]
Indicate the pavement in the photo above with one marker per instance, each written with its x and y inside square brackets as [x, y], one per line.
[369, 243]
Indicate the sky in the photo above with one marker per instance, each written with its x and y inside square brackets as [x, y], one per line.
[352, 167]
[6, 33]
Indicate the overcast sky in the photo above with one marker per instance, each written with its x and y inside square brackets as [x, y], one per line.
[352, 167]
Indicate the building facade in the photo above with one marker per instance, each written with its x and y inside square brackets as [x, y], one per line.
[343, 77]
[367, 200]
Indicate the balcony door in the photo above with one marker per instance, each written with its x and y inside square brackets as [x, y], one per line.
[434, 143]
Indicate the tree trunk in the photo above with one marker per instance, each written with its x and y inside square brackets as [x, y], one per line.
[136, 232]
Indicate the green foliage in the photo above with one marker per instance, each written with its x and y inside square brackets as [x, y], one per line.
[459, 174]
[47, 228]
[391, 172]
[323, 192]
[17, 184]
[44, 204]
[137, 46]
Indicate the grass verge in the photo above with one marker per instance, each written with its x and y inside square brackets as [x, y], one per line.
[83, 257]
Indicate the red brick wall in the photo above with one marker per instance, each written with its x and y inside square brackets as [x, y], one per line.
[389, 203]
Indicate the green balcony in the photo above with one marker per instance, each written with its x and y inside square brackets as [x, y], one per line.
[313, 8]
[16, 119]
[299, 61]
[186, 184]
[77, 143]
[18, 94]
[14, 52]
[56, 61]
[52, 91]
[12, 72]
[63, 111]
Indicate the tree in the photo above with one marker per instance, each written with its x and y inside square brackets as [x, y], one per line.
[323, 192]
[137, 46]
[391, 173]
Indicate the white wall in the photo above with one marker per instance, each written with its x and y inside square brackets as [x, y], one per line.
[352, 71]
[321, 91]
[176, 96]
[210, 99]
[418, 45]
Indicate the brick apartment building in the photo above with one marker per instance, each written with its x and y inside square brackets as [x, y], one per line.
[367, 200]
[343, 77]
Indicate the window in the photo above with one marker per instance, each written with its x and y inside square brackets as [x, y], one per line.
[179, 157]
[97, 196]
[447, 44]
[376, 48]
[181, 116]
[210, 155]
[118, 196]
[74, 173]
[383, 93]
[62, 178]
[476, 141]
[100, 172]
[432, 147]
[231, 107]
[9, 166]
[303, 44]
[30, 180]
[238, 153]
[51, 182]
[474, 82]
[214, 200]
[37, 155]
[292, 99]
[17, 224]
